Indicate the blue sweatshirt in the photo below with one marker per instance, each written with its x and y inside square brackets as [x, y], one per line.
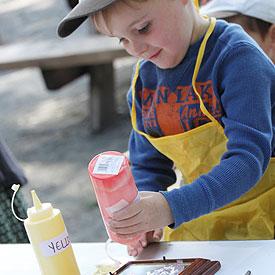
[237, 83]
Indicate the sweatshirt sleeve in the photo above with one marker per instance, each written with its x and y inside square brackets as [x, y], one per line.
[152, 170]
[244, 81]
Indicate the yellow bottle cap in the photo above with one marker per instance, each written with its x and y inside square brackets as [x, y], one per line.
[39, 211]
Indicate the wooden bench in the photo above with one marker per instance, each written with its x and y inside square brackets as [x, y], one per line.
[96, 54]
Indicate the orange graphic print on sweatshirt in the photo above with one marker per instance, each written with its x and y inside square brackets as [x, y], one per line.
[166, 112]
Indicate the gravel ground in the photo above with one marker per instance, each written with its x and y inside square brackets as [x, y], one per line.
[49, 132]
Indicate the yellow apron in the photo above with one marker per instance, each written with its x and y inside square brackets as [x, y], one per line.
[196, 152]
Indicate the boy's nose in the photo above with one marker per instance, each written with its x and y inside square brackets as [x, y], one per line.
[139, 49]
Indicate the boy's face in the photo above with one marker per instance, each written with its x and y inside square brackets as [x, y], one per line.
[155, 30]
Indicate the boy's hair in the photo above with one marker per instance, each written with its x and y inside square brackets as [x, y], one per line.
[101, 17]
[252, 24]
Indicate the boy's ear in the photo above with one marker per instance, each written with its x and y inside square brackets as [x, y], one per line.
[271, 33]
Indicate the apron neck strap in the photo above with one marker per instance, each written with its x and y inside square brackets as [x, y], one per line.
[134, 113]
[197, 67]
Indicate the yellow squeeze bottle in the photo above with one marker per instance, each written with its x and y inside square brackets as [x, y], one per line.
[49, 238]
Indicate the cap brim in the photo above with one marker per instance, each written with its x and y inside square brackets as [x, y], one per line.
[79, 14]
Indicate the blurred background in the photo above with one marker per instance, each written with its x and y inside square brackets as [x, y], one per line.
[49, 131]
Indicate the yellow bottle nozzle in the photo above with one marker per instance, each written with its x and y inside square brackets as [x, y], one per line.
[39, 211]
[36, 202]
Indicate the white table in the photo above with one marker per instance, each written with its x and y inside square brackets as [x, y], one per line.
[236, 257]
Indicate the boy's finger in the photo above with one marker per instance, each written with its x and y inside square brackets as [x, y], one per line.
[157, 235]
[132, 252]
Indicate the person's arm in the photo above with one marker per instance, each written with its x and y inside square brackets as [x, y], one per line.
[245, 80]
[10, 170]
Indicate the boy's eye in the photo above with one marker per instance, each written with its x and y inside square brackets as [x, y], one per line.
[144, 29]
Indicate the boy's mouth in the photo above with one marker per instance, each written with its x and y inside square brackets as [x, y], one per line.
[155, 54]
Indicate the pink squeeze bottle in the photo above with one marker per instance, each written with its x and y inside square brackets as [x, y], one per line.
[114, 187]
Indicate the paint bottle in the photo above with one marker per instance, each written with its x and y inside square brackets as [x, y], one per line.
[114, 187]
[49, 238]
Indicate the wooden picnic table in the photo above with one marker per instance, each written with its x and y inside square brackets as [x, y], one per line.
[95, 53]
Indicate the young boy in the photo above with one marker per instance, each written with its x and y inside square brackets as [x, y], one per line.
[257, 17]
[201, 98]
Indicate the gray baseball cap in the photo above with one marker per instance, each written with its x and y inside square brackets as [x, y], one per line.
[79, 14]
[261, 9]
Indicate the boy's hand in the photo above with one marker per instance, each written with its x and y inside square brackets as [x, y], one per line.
[149, 213]
[149, 237]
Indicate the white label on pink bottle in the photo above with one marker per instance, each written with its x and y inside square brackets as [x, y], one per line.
[108, 164]
[120, 205]
[55, 245]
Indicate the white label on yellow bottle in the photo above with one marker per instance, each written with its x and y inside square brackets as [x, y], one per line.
[56, 245]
